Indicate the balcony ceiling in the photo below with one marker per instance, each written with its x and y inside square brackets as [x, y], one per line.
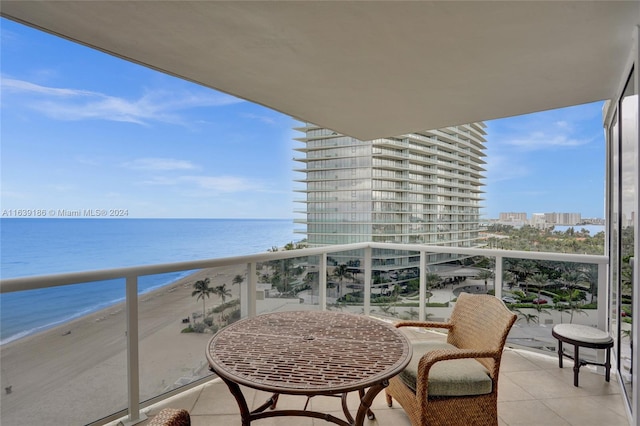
[366, 69]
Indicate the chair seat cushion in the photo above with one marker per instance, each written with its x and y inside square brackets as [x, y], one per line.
[458, 377]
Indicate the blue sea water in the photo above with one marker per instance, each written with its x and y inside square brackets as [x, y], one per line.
[47, 246]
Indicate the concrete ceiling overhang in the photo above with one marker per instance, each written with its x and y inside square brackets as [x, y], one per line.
[366, 69]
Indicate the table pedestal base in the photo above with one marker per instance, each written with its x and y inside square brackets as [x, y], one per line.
[366, 399]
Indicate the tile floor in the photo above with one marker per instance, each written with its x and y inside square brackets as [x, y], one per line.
[532, 391]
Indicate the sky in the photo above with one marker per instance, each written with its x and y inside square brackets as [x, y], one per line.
[82, 130]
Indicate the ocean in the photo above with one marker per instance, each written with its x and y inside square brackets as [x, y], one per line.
[48, 246]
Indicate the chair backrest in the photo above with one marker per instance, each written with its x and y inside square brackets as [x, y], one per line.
[481, 322]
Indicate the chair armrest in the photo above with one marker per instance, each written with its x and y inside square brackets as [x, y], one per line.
[424, 324]
[430, 358]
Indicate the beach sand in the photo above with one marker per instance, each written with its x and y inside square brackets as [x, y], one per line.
[77, 372]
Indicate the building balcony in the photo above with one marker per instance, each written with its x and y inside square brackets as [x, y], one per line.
[130, 360]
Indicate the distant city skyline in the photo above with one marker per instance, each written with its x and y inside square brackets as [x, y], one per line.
[529, 215]
[82, 130]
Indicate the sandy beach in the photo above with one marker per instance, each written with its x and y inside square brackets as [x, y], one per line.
[77, 372]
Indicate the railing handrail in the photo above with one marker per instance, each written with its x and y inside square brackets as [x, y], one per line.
[248, 292]
[9, 285]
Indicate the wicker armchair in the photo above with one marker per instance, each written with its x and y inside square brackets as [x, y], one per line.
[171, 417]
[456, 383]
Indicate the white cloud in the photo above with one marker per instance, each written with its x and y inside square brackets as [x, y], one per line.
[262, 118]
[62, 187]
[199, 186]
[74, 104]
[159, 164]
[541, 140]
[13, 194]
[87, 160]
[222, 183]
[19, 86]
[502, 168]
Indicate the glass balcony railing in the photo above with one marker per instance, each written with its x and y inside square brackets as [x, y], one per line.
[129, 355]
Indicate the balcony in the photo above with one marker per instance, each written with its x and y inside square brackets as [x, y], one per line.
[132, 359]
[532, 392]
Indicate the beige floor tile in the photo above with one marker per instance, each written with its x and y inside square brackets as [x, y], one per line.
[513, 361]
[186, 400]
[529, 413]
[544, 361]
[614, 402]
[544, 384]
[219, 420]
[585, 411]
[508, 390]
[215, 399]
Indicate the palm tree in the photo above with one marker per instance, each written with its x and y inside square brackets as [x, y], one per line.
[572, 280]
[395, 294]
[222, 291]
[202, 289]
[589, 276]
[538, 280]
[485, 275]
[508, 278]
[523, 269]
[431, 280]
[341, 272]
[413, 314]
[238, 279]
[561, 308]
[527, 317]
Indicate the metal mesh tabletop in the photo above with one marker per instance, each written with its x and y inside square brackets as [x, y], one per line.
[308, 352]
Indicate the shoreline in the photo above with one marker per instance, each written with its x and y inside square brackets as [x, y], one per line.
[102, 312]
[87, 355]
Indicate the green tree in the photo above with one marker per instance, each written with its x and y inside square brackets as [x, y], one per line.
[529, 318]
[589, 277]
[508, 278]
[486, 275]
[222, 291]
[573, 282]
[524, 269]
[341, 272]
[562, 308]
[201, 289]
[431, 280]
[538, 280]
[238, 279]
[413, 314]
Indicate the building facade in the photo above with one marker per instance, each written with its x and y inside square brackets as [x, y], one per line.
[513, 217]
[423, 187]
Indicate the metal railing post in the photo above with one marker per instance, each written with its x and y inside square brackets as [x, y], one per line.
[422, 310]
[603, 298]
[322, 281]
[497, 278]
[133, 361]
[367, 280]
[252, 290]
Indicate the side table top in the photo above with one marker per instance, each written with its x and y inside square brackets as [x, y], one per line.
[582, 333]
[308, 352]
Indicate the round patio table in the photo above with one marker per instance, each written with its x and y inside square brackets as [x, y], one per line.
[308, 353]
